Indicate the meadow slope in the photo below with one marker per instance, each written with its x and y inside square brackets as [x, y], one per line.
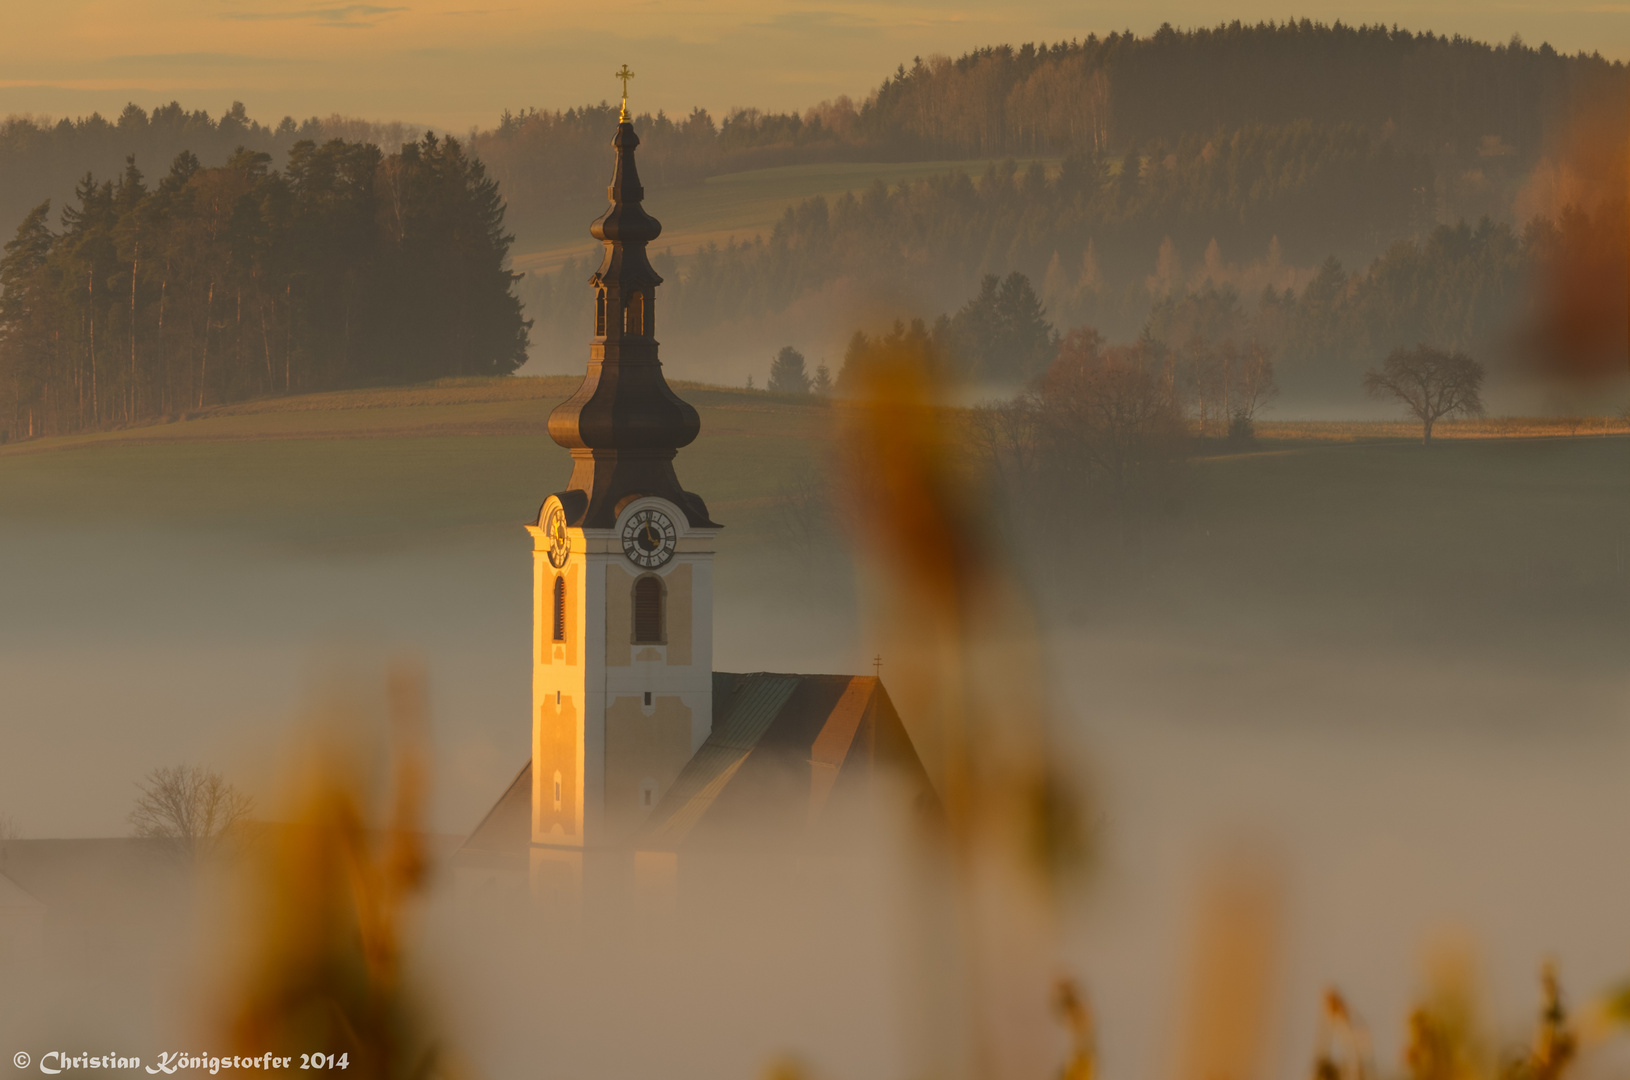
[1519, 529]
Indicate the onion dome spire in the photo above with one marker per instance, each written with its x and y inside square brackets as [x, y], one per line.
[624, 424]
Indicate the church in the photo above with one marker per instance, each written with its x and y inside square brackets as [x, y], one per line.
[641, 752]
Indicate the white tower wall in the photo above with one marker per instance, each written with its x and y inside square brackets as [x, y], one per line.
[616, 719]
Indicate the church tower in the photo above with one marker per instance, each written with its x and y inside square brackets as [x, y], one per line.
[622, 587]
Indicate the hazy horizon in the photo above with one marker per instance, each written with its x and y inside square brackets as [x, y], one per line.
[451, 66]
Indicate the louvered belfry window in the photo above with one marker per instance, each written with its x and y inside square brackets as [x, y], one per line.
[648, 611]
[600, 314]
[560, 609]
[634, 323]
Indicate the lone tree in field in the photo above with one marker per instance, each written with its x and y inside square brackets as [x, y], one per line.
[787, 374]
[1432, 383]
[189, 806]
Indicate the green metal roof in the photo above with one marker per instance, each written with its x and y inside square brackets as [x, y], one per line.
[753, 706]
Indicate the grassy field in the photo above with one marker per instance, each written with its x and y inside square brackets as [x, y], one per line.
[454, 454]
[1493, 427]
[1319, 528]
[738, 205]
[470, 452]
[1520, 541]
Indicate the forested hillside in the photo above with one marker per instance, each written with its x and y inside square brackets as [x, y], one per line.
[1324, 182]
[1098, 245]
[42, 160]
[346, 267]
[1232, 162]
[1479, 114]
[1093, 229]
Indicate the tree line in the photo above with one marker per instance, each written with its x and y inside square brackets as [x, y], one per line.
[1438, 91]
[41, 159]
[1102, 219]
[999, 338]
[1460, 288]
[1280, 144]
[1480, 115]
[1089, 233]
[346, 267]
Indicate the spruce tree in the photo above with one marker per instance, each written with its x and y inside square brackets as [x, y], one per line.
[346, 267]
[787, 374]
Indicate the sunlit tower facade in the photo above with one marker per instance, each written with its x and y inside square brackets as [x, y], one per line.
[623, 573]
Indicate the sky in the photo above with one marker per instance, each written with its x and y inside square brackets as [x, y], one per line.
[454, 64]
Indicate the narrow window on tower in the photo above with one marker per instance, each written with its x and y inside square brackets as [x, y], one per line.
[648, 628]
[560, 609]
[600, 314]
[557, 791]
[634, 322]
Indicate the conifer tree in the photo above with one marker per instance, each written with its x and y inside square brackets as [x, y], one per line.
[219, 283]
[787, 374]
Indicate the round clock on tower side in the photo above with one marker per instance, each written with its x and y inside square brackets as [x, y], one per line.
[560, 544]
[649, 539]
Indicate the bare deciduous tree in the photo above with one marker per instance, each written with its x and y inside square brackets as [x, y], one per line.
[1114, 411]
[1228, 381]
[1205, 373]
[1433, 384]
[189, 806]
[1105, 423]
[1254, 385]
[1006, 437]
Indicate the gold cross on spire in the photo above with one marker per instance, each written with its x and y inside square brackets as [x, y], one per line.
[624, 75]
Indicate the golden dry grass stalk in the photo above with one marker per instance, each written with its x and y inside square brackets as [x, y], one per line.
[324, 969]
[962, 657]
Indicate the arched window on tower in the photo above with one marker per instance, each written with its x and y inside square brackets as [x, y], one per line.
[600, 314]
[634, 316]
[560, 609]
[648, 613]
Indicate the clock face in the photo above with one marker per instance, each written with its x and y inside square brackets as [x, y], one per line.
[560, 545]
[649, 538]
